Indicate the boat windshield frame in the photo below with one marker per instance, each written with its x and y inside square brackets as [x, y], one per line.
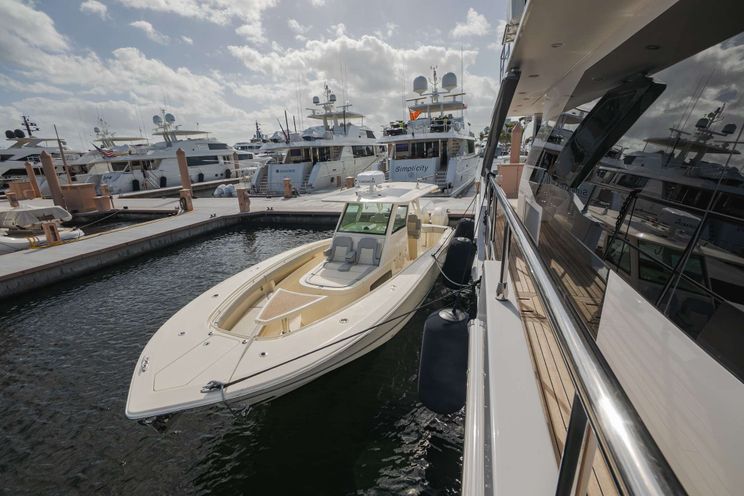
[365, 218]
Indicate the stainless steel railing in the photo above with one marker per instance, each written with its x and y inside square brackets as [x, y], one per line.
[601, 413]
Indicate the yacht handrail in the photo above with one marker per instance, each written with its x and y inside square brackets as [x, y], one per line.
[637, 463]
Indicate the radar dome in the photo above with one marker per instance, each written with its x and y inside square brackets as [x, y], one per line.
[449, 81]
[97, 130]
[9, 134]
[728, 129]
[170, 118]
[157, 120]
[19, 134]
[316, 100]
[419, 85]
[332, 98]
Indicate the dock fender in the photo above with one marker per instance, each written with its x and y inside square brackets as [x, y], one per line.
[458, 263]
[465, 228]
[443, 364]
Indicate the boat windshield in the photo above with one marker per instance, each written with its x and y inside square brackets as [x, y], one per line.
[365, 218]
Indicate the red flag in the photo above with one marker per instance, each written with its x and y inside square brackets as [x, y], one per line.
[413, 114]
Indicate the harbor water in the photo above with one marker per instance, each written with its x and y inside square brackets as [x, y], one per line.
[67, 354]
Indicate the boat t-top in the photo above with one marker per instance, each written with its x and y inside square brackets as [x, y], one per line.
[435, 145]
[321, 156]
[298, 315]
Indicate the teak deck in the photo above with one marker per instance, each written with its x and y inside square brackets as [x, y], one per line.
[553, 376]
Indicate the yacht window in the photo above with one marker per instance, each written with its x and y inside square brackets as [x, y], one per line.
[200, 161]
[401, 214]
[365, 218]
[217, 146]
[471, 146]
[245, 156]
[3, 158]
[370, 134]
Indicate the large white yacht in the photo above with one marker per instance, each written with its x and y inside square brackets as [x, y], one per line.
[155, 166]
[26, 147]
[435, 145]
[606, 353]
[321, 156]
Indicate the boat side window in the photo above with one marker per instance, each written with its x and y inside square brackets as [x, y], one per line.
[245, 156]
[370, 134]
[217, 146]
[471, 146]
[401, 214]
[198, 161]
[401, 151]
[365, 218]
[3, 158]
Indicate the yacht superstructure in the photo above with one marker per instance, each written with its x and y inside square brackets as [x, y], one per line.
[155, 166]
[435, 145]
[321, 156]
[26, 147]
[606, 357]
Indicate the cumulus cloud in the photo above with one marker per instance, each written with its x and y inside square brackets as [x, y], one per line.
[296, 27]
[63, 83]
[372, 70]
[150, 31]
[187, 40]
[223, 12]
[475, 25]
[95, 7]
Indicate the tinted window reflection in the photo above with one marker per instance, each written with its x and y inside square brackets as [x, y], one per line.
[664, 206]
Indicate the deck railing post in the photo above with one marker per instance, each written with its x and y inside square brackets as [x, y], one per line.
[573, 450]
[502, 290]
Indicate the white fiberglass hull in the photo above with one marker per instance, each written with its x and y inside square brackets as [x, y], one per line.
[189, 350]
[10, 244]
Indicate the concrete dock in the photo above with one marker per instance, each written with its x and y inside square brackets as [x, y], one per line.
[34, 268]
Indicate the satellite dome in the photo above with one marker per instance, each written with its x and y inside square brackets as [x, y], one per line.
[702, 123]
[96, 130]
[170, 118]
[420, 84]
[19, 134]
[728, 129]
[157, 120]
[449, 81]
[316, 100]
[9, 134]
[332, 98]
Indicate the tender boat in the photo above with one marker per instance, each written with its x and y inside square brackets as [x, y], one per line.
[298, 315]
[21, 227]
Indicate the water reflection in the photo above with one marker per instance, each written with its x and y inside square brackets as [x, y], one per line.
[67, 356]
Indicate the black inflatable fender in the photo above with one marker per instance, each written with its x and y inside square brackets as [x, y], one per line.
[442, 380]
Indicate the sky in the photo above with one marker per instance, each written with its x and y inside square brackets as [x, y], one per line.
[222, 65]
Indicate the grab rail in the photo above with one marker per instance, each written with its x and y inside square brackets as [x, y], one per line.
[600, 408]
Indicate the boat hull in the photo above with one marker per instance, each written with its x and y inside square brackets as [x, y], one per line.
[276, 366]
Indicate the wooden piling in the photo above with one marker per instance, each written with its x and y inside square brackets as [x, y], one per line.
[183, 168]
[50, 174]
[32, 179]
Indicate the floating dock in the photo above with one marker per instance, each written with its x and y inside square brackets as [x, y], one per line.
[34, 268]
